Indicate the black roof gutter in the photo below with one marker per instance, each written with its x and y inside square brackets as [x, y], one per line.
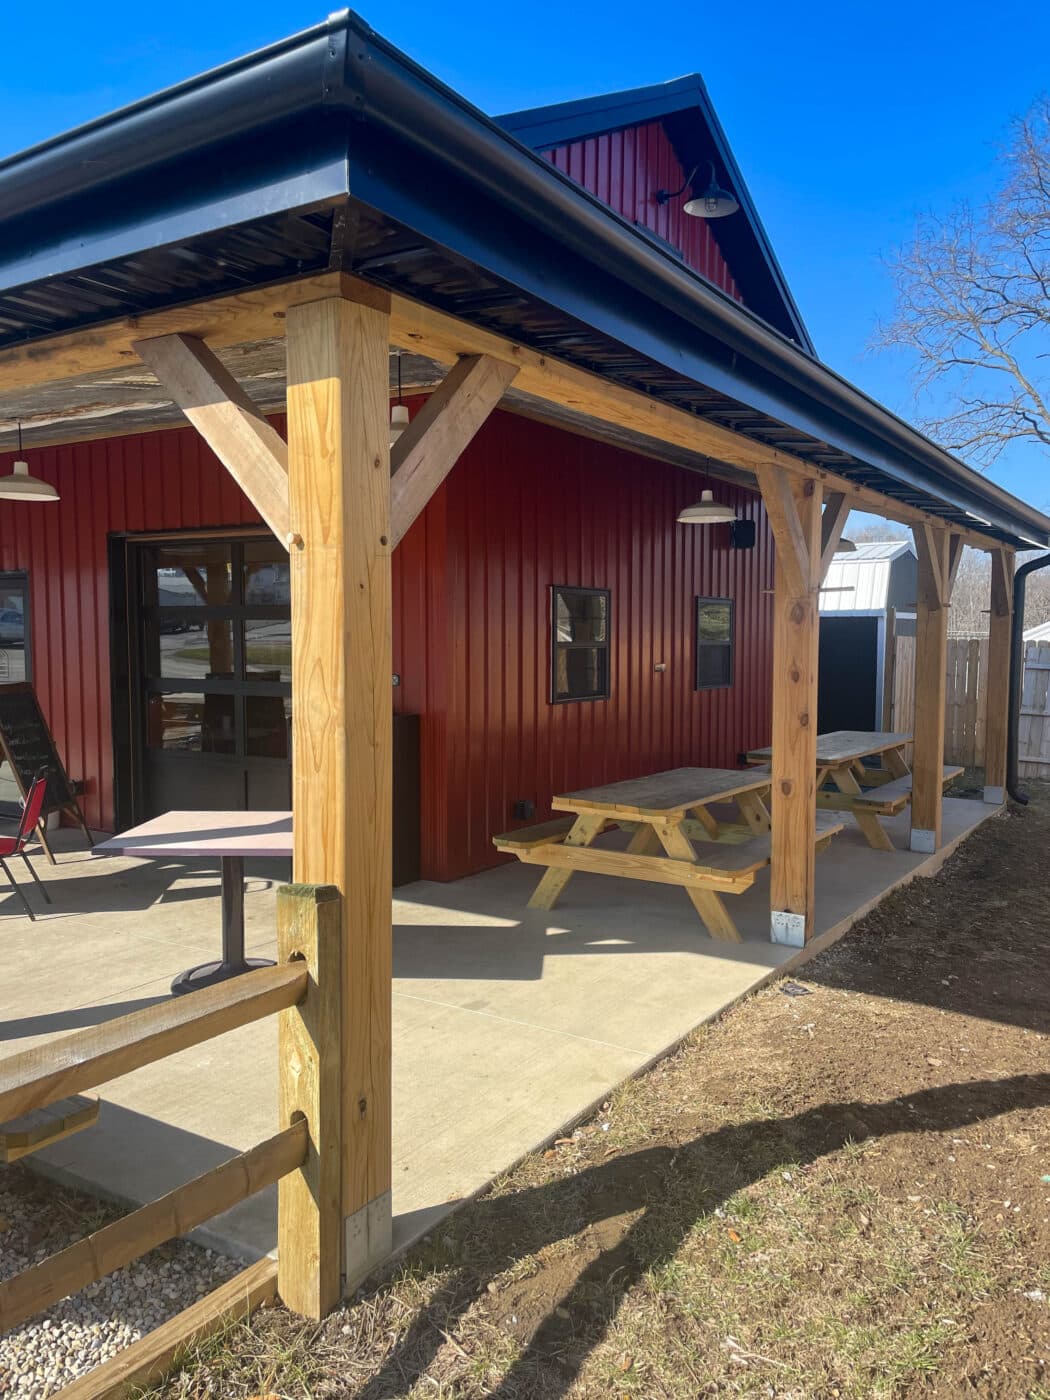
[345, 74]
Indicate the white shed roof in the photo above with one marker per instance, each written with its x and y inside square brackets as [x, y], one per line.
[860, 581]
[1038, 634]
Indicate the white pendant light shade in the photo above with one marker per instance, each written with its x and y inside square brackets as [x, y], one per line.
[398, 421]
[20, 486]
[706, 512]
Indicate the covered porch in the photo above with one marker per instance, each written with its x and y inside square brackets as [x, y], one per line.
[508, 1022]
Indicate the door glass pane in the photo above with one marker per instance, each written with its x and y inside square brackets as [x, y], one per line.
[192, 723]
[267, 576]
[13, 632]
[190, 575]
[195, 650]
[268, 649]
[267, 718]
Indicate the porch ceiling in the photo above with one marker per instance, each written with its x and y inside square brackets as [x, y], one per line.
[333, 152]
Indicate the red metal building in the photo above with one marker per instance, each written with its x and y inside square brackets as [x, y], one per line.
[528, 509]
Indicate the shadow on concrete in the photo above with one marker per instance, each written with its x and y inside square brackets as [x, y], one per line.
[54, 1022]
[673, 1187]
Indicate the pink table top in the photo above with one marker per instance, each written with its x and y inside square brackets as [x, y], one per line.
[205, 834]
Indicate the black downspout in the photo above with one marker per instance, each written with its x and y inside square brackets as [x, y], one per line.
[1016, 674]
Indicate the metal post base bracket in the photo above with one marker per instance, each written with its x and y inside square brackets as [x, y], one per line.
[923, 843]
[368, 1240]
[996, 796]
[787, 928]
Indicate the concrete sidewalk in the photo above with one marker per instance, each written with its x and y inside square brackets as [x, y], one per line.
[508, 1022]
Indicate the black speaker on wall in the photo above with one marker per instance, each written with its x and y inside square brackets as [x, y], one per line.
[742, 534]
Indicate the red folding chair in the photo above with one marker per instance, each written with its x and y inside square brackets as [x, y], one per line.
[16, 845]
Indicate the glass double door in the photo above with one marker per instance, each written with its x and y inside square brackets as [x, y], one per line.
[212, 671]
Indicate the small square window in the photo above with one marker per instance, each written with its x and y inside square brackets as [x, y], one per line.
[714, 643]
[579, 644]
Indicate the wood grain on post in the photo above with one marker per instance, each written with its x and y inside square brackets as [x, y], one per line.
[339, 494]
[309, 1045]
[997, 676]
[931, 661]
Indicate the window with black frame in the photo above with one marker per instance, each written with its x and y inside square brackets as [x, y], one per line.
[579, 644]
[14, 628]
[714, 643]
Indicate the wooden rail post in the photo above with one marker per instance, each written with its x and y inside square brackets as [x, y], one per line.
[794, 510]
[933, 547]
[997, 677]
[339, 505]
[309, 1041]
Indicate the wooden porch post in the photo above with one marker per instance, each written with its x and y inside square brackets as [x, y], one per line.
[339, 505]
[997, 688]
[932, 545]
[794, 510]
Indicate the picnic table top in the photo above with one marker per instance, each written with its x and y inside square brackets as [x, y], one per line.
[663, 794]
[844, 745]
[205, 834]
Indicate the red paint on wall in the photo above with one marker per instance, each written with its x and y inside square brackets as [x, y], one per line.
[625, 169]
[526, 507]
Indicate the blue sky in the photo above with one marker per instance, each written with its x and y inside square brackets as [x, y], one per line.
[847, 120]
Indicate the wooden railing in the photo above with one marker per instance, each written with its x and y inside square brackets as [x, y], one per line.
[302, 1158]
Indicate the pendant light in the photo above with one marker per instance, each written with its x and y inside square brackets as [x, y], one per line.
[399, 412]
[715, 202]
[706, 511]
[20, 486]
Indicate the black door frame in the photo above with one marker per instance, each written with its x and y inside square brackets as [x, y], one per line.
[127, 663]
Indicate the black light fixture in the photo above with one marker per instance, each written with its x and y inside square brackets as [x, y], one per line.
[714, 203]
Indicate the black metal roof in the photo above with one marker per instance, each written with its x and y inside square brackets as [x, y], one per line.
[689, 118]
[334, 150]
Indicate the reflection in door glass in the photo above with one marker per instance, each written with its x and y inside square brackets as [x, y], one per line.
[268, 649]
[192, 723]
[267, 579]
[192, 575]
[193, 650]
[13, 628]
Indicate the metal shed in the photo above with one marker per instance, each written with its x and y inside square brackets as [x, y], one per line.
[867, 601]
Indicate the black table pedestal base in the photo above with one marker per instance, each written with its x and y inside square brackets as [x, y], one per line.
[208, 974]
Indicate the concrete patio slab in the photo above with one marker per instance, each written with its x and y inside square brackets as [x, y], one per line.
[508, 1022]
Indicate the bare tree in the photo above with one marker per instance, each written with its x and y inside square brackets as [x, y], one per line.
[973, 304]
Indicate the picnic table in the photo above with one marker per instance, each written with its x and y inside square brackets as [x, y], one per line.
[665, 814]
[868, 792]
[231, 836]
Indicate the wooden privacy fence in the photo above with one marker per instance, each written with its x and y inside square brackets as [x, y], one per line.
[965, 702]
[303, 1157]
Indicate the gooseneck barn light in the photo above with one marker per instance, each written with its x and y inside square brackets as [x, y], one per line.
[20, 486]
[706, 511]
[714, 203]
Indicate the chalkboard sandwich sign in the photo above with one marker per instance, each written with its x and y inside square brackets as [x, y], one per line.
[28, 747]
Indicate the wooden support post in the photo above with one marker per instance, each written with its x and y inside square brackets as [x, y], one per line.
[339, 499]
[794, 510]
[933, 548]
[997, 680]
[310, 1085]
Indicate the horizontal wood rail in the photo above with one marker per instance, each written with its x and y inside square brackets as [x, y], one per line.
[90, 1057]
[42, 1285]
[145, 1362]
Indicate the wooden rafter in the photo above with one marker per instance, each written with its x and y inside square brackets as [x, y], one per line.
[956, 545]
[260, 315]
[242, 438]
[432, 443]
[837, 506]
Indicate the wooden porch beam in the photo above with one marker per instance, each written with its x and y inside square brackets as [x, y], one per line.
[794, 509]
[243, 439]
[956, 545]
[931, 657]
[433, 442]
[261, 314]
[837, 506]
[997, 688]
[339, 482]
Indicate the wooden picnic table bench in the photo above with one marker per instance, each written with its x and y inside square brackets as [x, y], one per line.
[665, 812]
[869, 793]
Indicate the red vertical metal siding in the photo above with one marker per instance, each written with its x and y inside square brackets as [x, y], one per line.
[625, 169]
[526, 507]
[529, 506]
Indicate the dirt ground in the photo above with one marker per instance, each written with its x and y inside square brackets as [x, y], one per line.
[844, 1191]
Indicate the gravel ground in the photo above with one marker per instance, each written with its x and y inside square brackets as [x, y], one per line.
[38, 1219]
